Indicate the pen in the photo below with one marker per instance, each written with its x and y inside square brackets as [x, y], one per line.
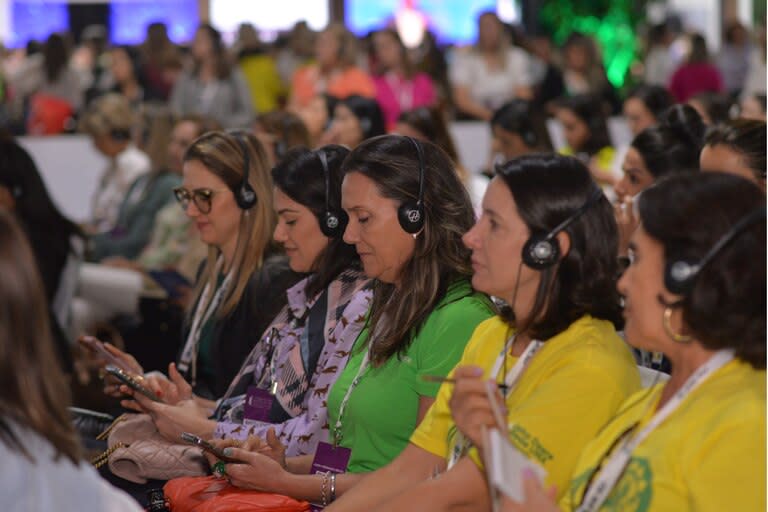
[448, 380]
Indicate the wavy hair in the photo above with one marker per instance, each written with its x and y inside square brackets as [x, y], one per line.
[439, 257]
[222, 155]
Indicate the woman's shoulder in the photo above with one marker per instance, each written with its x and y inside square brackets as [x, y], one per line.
[274, 268]
[45, 479]
[460, 309]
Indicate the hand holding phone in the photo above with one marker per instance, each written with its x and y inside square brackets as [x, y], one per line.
[95, 345]
[207, 447]
[132, 381]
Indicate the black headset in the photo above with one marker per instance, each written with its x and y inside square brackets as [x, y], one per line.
[244, 195]
[542, 250]
[332, 222]
[410, 214]
[679, 275]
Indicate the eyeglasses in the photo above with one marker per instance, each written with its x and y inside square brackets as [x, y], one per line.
[202, 197]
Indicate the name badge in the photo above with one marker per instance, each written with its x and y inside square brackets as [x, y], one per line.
[258, 403]
[329, 459]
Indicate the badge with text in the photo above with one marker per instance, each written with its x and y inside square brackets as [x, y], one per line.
[329, 459]
[258, 403]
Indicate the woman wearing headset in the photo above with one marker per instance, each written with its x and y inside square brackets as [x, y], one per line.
[546, 244]
[226, 191]
[696, 292]
[306, 346]
[406, 218]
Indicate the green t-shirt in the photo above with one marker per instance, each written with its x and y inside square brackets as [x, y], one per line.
[381, 413]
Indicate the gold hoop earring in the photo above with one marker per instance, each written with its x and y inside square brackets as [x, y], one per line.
[667, 322]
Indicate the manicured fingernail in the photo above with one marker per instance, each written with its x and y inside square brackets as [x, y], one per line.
[228, 452]
[477, 371]
[528, 473]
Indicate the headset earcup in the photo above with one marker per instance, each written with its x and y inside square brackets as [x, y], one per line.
[333, 223]
[530, 139]
[246, 197]
[679, 276]
[411, 217]
[540, 253]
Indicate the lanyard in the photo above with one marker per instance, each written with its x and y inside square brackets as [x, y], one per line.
[343, 407]
[598, 492]
[520, 365]
[461, 444]
[271, 359]
[203, 312]
[402, 90]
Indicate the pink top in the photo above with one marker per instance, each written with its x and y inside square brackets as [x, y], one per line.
[396, 94]
[691, 79]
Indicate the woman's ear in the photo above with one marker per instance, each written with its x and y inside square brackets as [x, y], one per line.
[7, 201]
[564, 241]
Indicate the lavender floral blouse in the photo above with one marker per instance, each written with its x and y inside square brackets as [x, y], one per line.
[301, 396]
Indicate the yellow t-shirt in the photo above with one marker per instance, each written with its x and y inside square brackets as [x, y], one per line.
[572, 387]
[709, 455]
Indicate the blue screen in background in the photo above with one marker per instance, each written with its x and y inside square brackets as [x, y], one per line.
[36, 20]
[128, 19]
[452, 21]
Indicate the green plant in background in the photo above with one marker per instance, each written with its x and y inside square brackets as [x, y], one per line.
[612, 23]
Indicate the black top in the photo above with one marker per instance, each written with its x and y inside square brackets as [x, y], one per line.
[234, 336]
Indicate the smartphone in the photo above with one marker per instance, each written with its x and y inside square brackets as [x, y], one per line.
[96, 345]
[132, 381]
[170, 281]
[206, 446]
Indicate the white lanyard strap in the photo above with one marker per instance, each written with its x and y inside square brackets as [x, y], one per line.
[402, 89]
[514, 374]
[598, 492]
[203, 313]
[461, 444]
[343, 406]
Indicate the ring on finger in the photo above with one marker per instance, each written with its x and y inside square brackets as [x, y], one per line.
[220, 469]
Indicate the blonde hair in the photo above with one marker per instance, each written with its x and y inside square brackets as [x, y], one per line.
[222, 155]
[347, 55]
[108, 114]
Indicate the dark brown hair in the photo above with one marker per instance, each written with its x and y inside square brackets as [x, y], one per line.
[300, 176]
[55, 57]
[222, 62]
[688, 214]
[547, 189]
[439, 258]
[747, 138]
[33, 391]
[408, 68]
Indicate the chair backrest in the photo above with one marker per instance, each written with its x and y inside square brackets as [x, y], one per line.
[650, 377]
[619, 132]
[556, 134]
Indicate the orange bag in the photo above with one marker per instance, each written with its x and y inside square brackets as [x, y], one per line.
[48, 115]
[212, 494]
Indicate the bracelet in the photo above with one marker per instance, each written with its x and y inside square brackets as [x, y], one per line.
[323, 489]
[333, 488]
